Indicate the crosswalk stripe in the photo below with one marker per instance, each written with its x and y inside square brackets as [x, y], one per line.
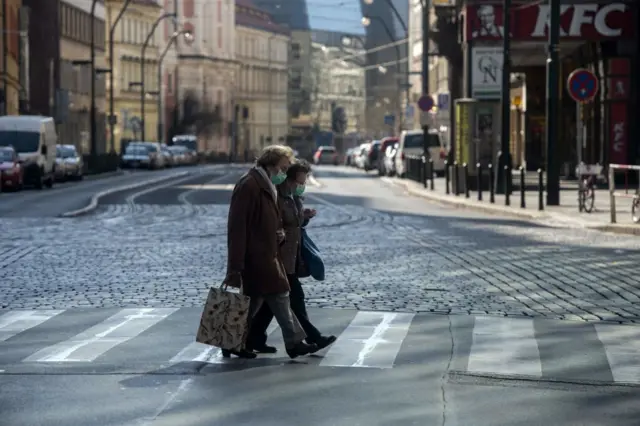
[199, 352]
[371, 340]
[95, 341]
[504, 346]
[622, 347]
[16, 322]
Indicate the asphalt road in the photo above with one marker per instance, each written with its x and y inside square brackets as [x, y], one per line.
[444, 316]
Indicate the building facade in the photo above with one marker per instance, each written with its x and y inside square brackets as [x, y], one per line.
[11, 63]
[75, 75]
[262, 49]
[207, 72]
[339, 85]
[129, 37]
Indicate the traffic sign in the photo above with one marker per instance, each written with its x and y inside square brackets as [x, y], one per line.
[582, 85]
[389, 119]
[443, 101]
[425, 103]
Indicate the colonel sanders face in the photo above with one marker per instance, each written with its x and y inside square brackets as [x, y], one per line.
[487, 17]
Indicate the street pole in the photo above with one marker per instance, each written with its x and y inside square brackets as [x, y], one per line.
[112, 32]
[425, 46]
[505, 148]
[173, 38]
[5, 48]
[92, 73]
[142, 60]
[270, 86]
[553, 172]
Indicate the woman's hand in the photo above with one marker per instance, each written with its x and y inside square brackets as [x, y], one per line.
[281, 235]
[233, 279]
[309, 213]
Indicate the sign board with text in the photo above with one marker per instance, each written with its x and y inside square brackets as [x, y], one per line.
[486, 73]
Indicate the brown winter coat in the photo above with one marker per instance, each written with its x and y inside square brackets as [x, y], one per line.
[252, 241]
[291, 211]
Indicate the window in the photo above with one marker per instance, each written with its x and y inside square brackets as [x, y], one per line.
[295, 50]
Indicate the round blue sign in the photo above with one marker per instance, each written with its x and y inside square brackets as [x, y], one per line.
[582, 85]
[425, 103]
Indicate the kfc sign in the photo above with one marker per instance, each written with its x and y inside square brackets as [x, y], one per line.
[577, 21]
[618, 135]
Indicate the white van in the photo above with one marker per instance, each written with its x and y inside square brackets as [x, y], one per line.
[34, 139]
[412, 143]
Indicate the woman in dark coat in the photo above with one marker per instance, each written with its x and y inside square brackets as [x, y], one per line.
[294, 218]
[254, 235]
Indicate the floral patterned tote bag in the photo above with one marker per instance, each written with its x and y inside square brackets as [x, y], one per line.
[224, 319]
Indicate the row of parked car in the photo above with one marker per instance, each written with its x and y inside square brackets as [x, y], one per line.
[154, 156]
[388, 155]
[68, 166]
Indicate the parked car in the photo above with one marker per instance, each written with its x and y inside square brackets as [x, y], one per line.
[412, 143]
[348, 157]
[385, 144]
[360, 155]
[12, 173]
[370, 161]
[136, 156]
[390, 160]
[34, 139]
[72, 162]
[326, 155]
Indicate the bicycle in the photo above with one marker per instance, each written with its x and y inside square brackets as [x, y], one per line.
[587, 186]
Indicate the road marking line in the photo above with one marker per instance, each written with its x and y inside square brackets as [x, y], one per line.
[372, 340]
[183, 198]
[199, 352]
[622, 346]
[95, 341]
[184, 385]
[131, 200]
[16, 322]
[504, 346]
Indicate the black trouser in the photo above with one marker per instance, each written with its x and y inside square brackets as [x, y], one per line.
[260, 323]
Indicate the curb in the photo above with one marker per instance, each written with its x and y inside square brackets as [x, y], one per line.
[461, 203]
[611, 228]
[93, 204]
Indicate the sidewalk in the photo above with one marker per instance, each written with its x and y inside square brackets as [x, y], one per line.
[566, 214]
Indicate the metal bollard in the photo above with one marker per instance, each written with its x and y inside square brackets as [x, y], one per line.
[540, 190]
[492, 189]
[507, 195]
[423, 171]
[466, 180]
[523, 203]
[431, 175]
[447, 178]
[454, 181]
[479, 180]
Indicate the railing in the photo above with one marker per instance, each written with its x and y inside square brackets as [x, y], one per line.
[635, 204]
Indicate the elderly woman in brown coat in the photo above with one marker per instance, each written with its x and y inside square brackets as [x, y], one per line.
[294, 218]
[254, 234]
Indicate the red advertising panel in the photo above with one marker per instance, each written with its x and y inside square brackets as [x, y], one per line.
[587, 21]
[618, 133]
[618, 88]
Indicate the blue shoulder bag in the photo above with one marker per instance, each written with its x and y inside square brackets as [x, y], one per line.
[313, 264]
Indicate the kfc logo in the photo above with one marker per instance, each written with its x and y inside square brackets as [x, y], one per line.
[618, 136]
[578, 16]
[577, 21]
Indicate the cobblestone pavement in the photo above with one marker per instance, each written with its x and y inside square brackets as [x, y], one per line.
[383, 251]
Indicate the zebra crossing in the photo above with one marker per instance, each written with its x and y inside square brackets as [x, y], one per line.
[154, 338]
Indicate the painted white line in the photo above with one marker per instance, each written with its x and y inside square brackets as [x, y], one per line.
[622, 346]
[16, 322]
[183, 198]
[313, 181]
[95, 341]
[199, 352]
[93, 204]
[184, 386]
[505, 346]
[372, 340]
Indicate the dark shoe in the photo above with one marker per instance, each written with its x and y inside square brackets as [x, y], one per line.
[323, 341]
[226, 353]
[301, 349]
[263, 349]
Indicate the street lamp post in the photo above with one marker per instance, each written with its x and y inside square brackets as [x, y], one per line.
[112, 117]
[144, 50]
[92, 111]
[173, 38]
